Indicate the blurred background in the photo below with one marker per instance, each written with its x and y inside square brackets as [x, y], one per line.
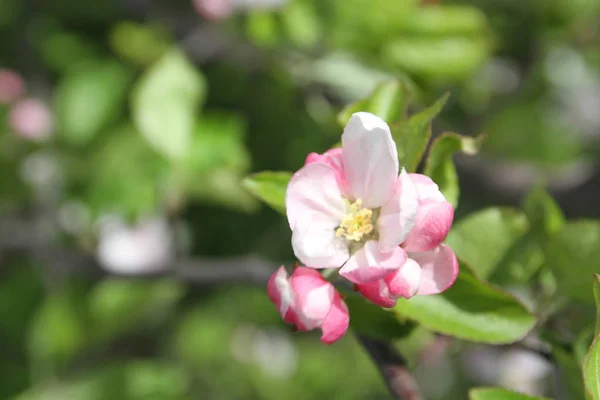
[132, 256]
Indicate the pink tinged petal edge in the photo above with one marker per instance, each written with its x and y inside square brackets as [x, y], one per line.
[335, 325]
[280, 292]
[439, 269]
[398, 215]
[378, 293]
[315, 244]
[368, 264]
[313, 190]
[431, 227]
[334, 159]
[314, 296]
[370, 159]
[406, 281]
[427, 188]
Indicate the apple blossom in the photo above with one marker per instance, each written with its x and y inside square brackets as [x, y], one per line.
[31, 119]
[308, 301]
[11, 86]
[431, 267]
[349, 208]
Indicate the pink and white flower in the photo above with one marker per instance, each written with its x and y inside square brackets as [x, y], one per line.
[308, 301]
[431, 267]
[349, 208]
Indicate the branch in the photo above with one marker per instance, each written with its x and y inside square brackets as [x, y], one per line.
[393, 369]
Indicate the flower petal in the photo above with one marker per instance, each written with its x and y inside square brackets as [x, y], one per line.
[336, 322]
[370, 159]
[439, 269]
[280, 292]
[378, 293]
[314, 296]
[334, 159]
[398, 215]
[368, 264]
[316, 245]
[406, 281]
[432, 225]
[427, 188]
[314, 190]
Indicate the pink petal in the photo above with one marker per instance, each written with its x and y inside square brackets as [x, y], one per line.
[427, 188]
[368, 264]
[336, 322]
[334, 159]
[316, 245]
[439, 269]
[432, 225]
[11, 86]
[314, 296]
[404, 282]
[313, 190]
[370, 159]
[280, 292]
[398, 215]
[378, 293]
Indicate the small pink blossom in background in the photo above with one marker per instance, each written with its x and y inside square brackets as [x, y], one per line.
[31, 119]
[214, 9]
[11, 86]
[308, 301]
[431, 267]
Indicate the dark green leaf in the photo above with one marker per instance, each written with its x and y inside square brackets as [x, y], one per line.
[375, 321]
[572, 254]
[388, 101]
[412, 136]
[499, 394]
[544, 214]
[89, 98]
[165, 103]
[571, 372]
[483, 238]
[470, 310]
[440, 167]
[591, 370]
[597, 297]
[270, 187]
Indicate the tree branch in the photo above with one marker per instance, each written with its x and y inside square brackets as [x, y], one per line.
[393, 369]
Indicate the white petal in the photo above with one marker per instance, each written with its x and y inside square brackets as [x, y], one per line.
[316, 245]
[398, 216]
[313, 190]
[370, 159]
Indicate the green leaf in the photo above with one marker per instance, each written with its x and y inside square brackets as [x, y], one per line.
[137, 43]
[542, 211]
[470, 310]
[412, 136]
[117, 305]
[388, 101]
[223, 187]
[165, 102]
[483, 238]
[572, 254]
[499, 394]
[437, 59]
[270, 187]
[218, 143]
[591, 370]
[597, 297]
[439, 165]
[59, 329]
[89, 98]
[445, 20]
[375, 321]
[301, 22]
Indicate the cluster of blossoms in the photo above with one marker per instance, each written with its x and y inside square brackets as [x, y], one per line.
[350, 209]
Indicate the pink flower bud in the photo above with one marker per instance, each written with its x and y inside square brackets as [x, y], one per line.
[11, 86]
[31, 119]
[308, 301]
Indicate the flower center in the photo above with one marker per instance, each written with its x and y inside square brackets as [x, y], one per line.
[357, 223]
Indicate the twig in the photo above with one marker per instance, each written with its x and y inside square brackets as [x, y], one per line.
[393, 369]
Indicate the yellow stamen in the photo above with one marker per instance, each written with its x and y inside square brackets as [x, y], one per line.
[357, 223]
